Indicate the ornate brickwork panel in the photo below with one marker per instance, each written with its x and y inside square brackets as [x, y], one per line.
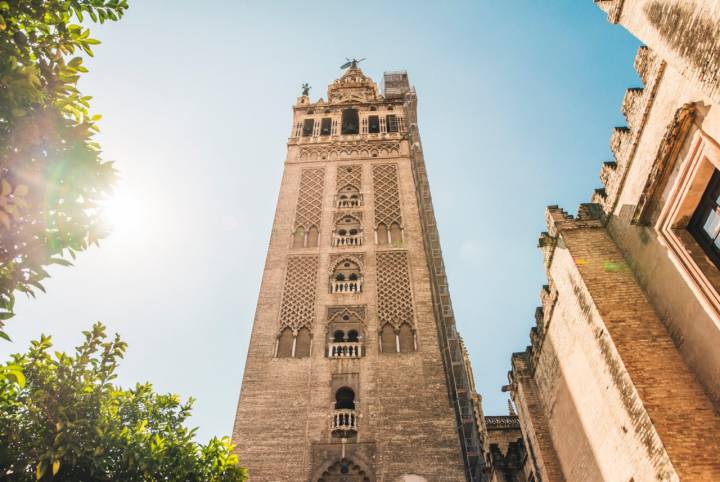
[298, 301]
[357, 258]
[357, 310]
[340, 150]
[348, 176]
[387, 195]
[309, 206]
[355, 214]
[395, 304]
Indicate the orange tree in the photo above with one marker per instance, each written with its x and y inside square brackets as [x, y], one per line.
[51, 172]
[62, 419]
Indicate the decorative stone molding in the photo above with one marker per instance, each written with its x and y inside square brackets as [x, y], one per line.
[350, 150]
[357, 258]
[335, 313]
[665, 161]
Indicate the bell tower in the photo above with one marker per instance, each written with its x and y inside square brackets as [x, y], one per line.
[355, 370]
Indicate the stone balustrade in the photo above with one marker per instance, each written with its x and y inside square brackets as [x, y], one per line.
[345, 349]
[350, 286]
[345, 202]
[347, 239]
[344, 421]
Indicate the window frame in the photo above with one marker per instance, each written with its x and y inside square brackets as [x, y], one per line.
[708, 203]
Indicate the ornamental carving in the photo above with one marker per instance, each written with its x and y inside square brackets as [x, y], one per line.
[395, 305]
[348, 176]
[349, 150]
[387, 195]
[353, 86]
[335, 313]
[335, 259]
[357, 215]
[309, 206]
[298, 299]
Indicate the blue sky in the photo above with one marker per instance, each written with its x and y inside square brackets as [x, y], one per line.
[516, 104]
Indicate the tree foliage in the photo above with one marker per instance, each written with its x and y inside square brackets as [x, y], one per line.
[51, 172]
[64, 420]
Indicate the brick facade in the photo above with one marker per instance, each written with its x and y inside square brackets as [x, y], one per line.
[377, 283]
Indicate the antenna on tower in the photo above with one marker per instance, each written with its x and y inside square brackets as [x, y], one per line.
[351, 63]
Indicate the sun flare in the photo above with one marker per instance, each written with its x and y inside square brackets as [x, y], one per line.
[123, 215]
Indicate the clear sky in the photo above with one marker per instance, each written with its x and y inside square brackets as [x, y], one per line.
[517, 99]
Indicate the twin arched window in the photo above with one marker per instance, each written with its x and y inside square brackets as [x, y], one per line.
[401, 340]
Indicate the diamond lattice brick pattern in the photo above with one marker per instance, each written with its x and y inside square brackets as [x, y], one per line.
[298, 302]
[387, 195]
[309, 206]
[348, 176]
[395, 304]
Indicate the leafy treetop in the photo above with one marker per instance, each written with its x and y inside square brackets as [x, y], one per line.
[62, 419]
[51, 172]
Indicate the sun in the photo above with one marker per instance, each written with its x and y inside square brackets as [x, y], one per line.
[123, 215]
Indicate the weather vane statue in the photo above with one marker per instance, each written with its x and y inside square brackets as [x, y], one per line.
[305, 89]
[351, 63]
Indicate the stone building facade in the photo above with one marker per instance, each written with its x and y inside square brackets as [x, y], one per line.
[621, 381]
[355, 371]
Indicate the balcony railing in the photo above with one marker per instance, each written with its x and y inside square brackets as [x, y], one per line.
[344, 422]
[345, 349]
[341, 202]
[347, 239]
[353, 286]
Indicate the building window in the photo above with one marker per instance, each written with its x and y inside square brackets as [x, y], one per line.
[373, 124]
[705, 222]
[326, 126]
[392, 123]
[307, 128]
[350, 122]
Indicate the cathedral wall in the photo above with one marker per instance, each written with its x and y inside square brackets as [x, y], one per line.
[684, 32]
[598, 425]
[641, 409]
[692, 322]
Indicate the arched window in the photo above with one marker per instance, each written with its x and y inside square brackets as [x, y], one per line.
[346, 277]
[345, 399]
[338, 336]
[348, 197]
[395, 233]
[312, 237]
[285, 344]
[352, 336]
[302, 344]
[387, 339]
[406, 338]
[350, 122]
[382, 234]
[299, 238]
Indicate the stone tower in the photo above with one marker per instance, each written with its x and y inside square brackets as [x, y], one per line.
[355, 370]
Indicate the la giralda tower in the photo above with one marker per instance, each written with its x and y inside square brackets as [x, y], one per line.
[355, 371]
